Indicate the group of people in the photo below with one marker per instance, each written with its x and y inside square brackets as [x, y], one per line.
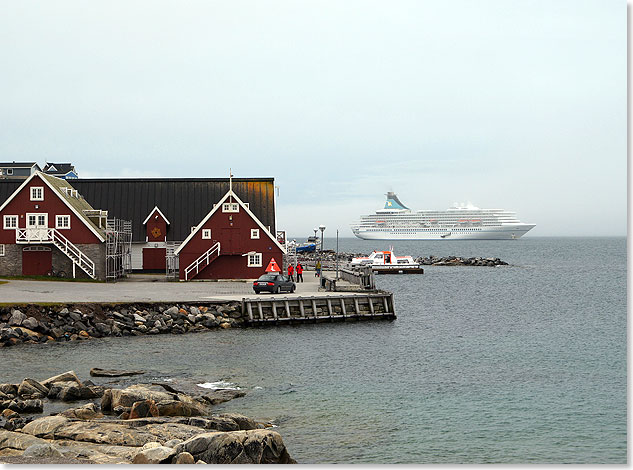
[299, 270]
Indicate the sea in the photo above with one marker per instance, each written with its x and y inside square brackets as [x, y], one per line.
[517, 364]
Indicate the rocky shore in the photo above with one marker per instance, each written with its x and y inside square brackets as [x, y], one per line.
[42, 324]
[141, 424]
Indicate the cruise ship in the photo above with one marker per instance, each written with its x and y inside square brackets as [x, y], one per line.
[462, 221]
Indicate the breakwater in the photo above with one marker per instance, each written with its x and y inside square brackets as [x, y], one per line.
[40, 323]
[329, 258]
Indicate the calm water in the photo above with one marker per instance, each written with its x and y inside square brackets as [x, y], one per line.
[518, 364]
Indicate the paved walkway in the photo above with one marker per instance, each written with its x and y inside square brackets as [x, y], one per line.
[143, 288]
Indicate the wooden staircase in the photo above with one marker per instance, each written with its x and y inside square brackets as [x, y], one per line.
[202, 262]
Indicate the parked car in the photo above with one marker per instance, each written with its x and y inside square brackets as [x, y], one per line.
[274, 283]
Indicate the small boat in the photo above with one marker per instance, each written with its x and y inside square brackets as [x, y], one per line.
[386, 262]
[310, 246]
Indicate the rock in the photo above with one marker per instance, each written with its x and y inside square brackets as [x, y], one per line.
[9, 389]
[139, 318]
[172, 442]
[257, 446]
[245, 423]
[45, 427]
[7, 413]
[30, 323]
[103, 328]
[201, 461]
[183, 458]
[75, 316]
[96, 372]
[17, 440]
[88, 411]
[172, 312]
[42, 451]
[24, 406]
[143, 409]
[180, 408]
[154, 455]
[17, 318]
[223, 395]
[225, 325]
[32, 388]
[69, 376]
[215, 423]
[63, 312]
[127, 397]
[70, 391]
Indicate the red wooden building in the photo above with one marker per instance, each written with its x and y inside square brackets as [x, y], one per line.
[154, 250]
[229, 243]
[47, 225]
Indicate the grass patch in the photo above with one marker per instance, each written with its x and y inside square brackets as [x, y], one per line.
[46, 278]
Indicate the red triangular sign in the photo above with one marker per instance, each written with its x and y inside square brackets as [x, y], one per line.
[273, 266]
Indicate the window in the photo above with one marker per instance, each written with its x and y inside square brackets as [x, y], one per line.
[10, 221]
[254, 233]
[193, 229]
[9, 171]
[254, 260]
[206, 234]
[1, 250]
[62, 221]
[230, 207]
[37, 193]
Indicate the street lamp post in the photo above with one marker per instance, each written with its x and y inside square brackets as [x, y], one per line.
[322, 228]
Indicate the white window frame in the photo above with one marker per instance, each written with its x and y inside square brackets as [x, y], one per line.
[37, 224]
[9, 226]
[59, 224]
[254, 234]
[9, 171]
[255, 260]
[230, 207]
[34, 191]
[2, 250]
[206, 234]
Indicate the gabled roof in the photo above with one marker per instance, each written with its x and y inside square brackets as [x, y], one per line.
[218, 206]
[76, 204]
[161, 214]
[18, 164]
[58, 168]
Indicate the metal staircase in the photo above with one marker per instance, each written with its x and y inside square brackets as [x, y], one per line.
[203, 261]
[51, 235]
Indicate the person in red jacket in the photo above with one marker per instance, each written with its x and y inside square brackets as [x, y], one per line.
[299, 272]
[291, 271]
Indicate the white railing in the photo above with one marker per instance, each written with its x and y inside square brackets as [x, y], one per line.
[51, 235]
[203, 261]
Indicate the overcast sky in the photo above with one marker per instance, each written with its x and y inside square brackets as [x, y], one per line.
[519, 105]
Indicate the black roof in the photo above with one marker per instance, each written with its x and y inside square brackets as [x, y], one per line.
[18, 164]
[60, 168]
[184, 201]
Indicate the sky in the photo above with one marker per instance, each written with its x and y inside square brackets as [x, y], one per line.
[518, 105]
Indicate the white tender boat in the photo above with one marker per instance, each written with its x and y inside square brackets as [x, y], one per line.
[386, 262]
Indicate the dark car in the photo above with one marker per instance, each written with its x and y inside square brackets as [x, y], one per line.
[274, 283]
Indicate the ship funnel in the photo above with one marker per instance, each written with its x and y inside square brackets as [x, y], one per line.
[393, 202]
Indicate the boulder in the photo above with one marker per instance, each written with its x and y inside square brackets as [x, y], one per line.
[16, 318]
[180, 408]
[183, 458]
[143, 409]
[42, 451]
[17, 440]
[69, 376]
[71, 391]
[88, 411]
[30, 323]
[245, 423]
[215, 423]
[26, 406]
[154, 455]
[45, 427]
[222, 395]
[32, 388]
[9, 389]
[257, 446]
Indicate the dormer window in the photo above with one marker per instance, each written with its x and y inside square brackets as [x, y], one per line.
[230, 207]
[37, 193]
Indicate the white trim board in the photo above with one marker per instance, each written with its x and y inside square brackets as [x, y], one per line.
[159, 211]
[219, 206]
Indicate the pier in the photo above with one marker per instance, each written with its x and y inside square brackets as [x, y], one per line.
[342, 307]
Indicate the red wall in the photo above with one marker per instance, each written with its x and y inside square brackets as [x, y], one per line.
[160, 224]
[53, 205]
[235, 239]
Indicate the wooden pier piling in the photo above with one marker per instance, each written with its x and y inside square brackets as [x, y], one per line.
[341, 307]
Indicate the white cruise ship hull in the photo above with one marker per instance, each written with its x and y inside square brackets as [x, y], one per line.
[504, 232]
